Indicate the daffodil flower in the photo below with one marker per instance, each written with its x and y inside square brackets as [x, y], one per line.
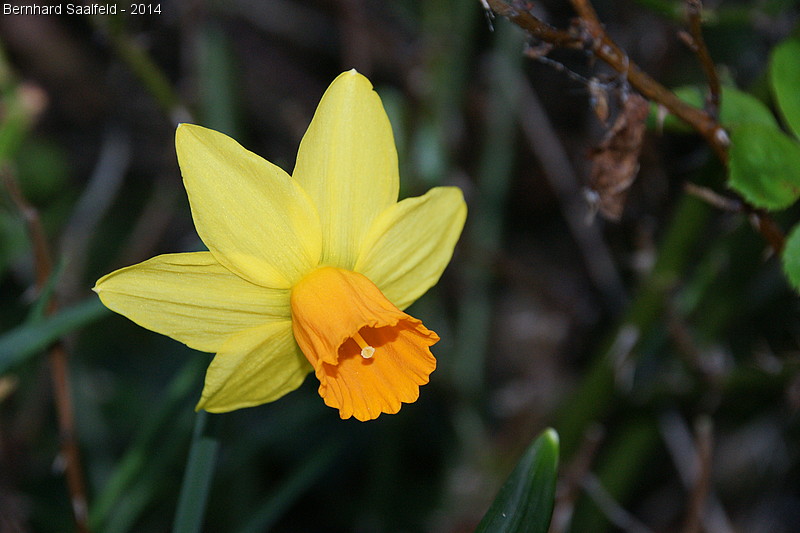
[308, 272]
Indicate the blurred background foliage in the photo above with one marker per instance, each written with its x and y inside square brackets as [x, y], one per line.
[662, 347]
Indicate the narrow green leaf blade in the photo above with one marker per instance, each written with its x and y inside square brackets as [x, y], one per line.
[784, 74]
[199, 474]
[791, 257]
[525, 502]
[312, 468]
[147, 457]
[27, 340]
[764, 166]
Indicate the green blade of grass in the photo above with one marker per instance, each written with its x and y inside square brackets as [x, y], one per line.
[25, 341]
[138, 459]
[298, 481]
[199, 474]
[525, 502]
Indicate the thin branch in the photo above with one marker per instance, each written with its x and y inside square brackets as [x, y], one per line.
[574, 474]
[590, 34]
[760, 219]
[59, 366]
[687, 459]
[710, 364]
[612, 510]
[768, 227]
[723, 203]
[587, 32]
[521, 16]
[694, 9]
[30, 215]
[607, 50]
[702, 484]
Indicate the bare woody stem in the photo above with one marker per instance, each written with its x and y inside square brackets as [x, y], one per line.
[520, 16]
[587, 33]
[694, 9]
[58, 356]
[604, 48]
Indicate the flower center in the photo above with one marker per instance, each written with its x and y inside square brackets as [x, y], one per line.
[332, 311]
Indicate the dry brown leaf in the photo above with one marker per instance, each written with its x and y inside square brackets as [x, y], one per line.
[615, 161]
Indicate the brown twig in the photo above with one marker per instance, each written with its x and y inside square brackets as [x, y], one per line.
[572, 480]
[723, 203]
[768, 228]
[760, 219]
[41, 253]
[694, 11]
[611, 509]
[58, 356]
[692, 459]
[710, 364]
[608, 51]
[521, 16]
[587, 32]
[702, 483]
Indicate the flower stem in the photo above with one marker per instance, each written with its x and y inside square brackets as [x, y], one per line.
[199, 473]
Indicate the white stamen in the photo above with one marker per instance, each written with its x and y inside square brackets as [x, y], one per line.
[367, 351]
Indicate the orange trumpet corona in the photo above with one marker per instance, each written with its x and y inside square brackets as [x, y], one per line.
[368, 355]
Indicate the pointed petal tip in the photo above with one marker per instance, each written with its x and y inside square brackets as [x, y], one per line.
[187, 134]
[181, 133]
[185, 128]
[182, 128]
[352, 76]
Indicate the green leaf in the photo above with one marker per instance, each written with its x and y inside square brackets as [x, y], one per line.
[525, 502]
[764, 166]
[199, 473]
[27, 340]
[784, 74]
[737, 108]
[130, 488]
[313, 466]
[791, 257]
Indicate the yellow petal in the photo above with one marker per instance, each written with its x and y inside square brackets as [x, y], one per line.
[256, 366]
[347, 163]
[369, 356]
[191, 298]
[409, 246]
[252, 216]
